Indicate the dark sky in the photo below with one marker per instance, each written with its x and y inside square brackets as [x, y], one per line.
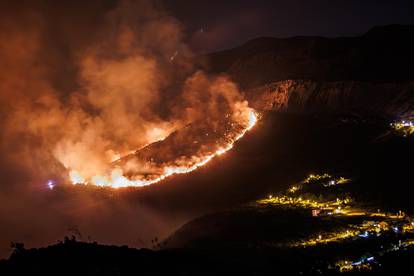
[232, 22]
[212, 25]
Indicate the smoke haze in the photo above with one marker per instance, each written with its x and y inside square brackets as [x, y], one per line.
[79, 90]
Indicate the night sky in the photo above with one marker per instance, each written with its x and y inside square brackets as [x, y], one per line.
[232, 22]
[212, 25]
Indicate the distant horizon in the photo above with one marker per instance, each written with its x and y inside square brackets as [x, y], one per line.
[235, 21]
[305, 36]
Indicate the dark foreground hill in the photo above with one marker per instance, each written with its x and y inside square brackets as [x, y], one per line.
[78, 258]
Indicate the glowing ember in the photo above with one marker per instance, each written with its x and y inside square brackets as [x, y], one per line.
[116, 178]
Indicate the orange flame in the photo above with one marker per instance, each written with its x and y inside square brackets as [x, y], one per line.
[116, 179]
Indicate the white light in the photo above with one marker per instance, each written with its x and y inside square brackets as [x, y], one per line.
[50, 184]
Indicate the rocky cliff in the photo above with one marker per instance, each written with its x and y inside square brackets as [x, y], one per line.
[372, 73]
[389, 99]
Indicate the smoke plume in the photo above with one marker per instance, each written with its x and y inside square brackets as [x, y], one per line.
[80, 90]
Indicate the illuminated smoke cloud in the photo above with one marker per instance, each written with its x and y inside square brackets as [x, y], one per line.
[128, 95]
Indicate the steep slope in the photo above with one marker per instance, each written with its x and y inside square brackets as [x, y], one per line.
[283, 152]
[380, 99]
[367, 75]
[382, 54]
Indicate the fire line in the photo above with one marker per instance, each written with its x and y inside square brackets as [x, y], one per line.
[118, 180]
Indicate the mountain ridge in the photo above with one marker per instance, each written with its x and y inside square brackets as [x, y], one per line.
[381, 54]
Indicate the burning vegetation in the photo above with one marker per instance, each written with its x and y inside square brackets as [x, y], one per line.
[135, 84]
[159, 160]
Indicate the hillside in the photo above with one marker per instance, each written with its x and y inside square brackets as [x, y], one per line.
[387, 100]
[382, 54]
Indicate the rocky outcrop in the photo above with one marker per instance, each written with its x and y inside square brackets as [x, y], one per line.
[390, 99]
[372, 73]
[382, 54]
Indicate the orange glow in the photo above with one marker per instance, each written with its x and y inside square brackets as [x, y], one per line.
[116, 178]
[75, 177]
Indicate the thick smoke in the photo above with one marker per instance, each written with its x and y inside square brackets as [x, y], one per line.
[123, 78]
[80, 90]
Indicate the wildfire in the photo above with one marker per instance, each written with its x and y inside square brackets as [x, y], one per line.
[116, 178]
[75, 177]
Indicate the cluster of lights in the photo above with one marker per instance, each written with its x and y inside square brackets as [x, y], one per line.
[338, 207]
[396, 222]
[363, 230]
[316, 177]
[312, 178]
[361, 264]
[328, 238]
[334, 205]
[403, 127]
[339, 181]
[409, 227]
[366, 262]
[384, 222]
